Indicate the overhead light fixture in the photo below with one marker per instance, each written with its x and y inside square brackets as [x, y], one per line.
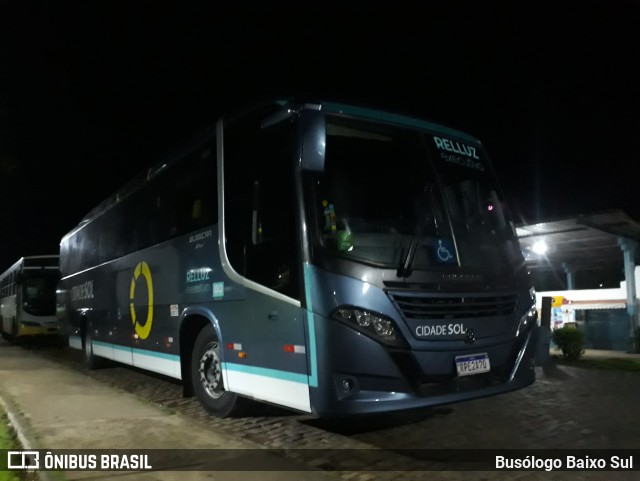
[539, 247]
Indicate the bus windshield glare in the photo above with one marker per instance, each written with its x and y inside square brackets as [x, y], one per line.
[386, 187]
[39, 293]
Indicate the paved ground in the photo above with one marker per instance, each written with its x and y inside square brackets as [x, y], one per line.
[66, 407]
[57, 407]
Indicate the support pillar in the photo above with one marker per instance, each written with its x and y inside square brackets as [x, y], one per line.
[570, 272]
[628, 247]
[544, 333]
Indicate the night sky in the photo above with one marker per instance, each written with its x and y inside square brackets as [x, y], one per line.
[91, 92]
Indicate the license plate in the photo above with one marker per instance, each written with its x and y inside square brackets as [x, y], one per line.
[472, 364]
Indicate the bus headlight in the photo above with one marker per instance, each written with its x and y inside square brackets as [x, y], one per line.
[529, 318]
[375, 325]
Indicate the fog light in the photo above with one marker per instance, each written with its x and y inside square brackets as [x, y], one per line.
[347, 385]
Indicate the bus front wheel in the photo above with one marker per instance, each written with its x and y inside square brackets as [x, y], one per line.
[15, 330]
[207, 380]
[5, 335]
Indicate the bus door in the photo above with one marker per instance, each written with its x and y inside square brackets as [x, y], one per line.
[265, 351]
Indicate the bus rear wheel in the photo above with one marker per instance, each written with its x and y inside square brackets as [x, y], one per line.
[91, 361]
[207, 380]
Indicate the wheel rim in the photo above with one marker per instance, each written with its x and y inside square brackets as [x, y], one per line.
[210, 370]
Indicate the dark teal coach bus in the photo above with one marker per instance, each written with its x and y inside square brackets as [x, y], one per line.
[332, 259]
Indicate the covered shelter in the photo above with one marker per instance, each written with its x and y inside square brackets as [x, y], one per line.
[601, 240]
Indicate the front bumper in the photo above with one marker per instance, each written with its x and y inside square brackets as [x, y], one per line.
[373, 380]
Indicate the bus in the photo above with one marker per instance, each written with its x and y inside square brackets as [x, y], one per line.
[329, 258]
[28, 297]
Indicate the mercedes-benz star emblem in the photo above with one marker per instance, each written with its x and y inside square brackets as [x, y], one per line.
[470, 336]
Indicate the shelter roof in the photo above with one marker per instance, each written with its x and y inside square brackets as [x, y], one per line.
[586, 242]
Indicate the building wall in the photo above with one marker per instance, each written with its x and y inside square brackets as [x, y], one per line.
[606, 329]
[600, 313]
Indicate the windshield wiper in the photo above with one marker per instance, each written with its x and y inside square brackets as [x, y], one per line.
[404, 269]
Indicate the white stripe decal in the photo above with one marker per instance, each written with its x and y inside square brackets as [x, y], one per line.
[280, 391]
[122, 354]
[162, 365]
[167, 364]
[102, 349]
[292, 392]
[75, 342]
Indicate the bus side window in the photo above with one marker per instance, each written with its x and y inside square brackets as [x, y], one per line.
[190, 200]
[271, 244]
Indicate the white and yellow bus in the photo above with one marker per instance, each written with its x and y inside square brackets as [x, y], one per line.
[28, 297]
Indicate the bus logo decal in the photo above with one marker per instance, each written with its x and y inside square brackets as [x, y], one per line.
[82, 292]
[142, 330]
[456, 147]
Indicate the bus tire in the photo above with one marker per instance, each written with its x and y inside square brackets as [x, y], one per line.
[91, 361]
[15, 330]
[5, 334]
[207, 379]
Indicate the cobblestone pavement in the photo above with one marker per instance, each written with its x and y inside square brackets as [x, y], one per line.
[566, 408]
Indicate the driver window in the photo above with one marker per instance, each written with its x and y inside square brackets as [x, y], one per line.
[260, 203]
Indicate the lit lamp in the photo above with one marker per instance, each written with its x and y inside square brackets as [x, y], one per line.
[540, 247]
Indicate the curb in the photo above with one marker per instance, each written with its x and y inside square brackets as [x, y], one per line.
[23, 431]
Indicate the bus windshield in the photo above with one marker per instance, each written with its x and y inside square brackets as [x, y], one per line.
[39, 293]
[387, 190]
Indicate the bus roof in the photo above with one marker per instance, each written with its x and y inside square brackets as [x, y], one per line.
[351, 110]
[143, 177]
[396, 119]
[39, 261]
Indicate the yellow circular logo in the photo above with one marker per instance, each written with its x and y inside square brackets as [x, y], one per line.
[143, 330]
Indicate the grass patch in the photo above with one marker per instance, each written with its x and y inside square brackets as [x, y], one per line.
[7, 441]
[611, 364]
